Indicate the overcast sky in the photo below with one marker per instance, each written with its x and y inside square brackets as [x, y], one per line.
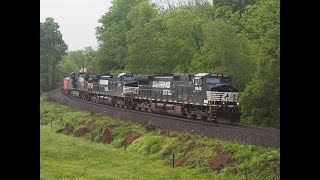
[77, 19]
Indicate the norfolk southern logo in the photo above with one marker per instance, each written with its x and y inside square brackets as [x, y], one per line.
[226, 97]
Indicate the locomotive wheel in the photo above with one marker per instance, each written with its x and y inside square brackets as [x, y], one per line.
[189, 115]
[204, 118]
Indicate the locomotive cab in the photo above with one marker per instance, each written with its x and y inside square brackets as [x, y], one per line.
[219, 95]
[128, 83]
[127, 80]
[93, 83]
[104, 83]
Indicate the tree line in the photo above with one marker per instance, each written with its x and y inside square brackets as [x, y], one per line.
[236, 37]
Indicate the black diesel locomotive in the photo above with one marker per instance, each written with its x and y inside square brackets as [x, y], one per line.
[203, 96]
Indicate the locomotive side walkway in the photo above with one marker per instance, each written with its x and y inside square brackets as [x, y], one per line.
[244, 134]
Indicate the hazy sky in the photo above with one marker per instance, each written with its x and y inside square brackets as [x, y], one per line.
[77, 19]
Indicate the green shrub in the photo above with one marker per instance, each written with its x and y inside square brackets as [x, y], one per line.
[150, 127]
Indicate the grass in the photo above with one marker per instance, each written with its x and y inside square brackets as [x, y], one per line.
[64, 157]
[148, 157]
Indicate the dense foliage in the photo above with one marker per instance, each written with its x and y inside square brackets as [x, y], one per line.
[77, 60]
[52, 49]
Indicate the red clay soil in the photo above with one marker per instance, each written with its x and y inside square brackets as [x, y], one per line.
[180, 161]
[107, 136]
[189, 148]
[81, 132]
[221, 160]
[130, 136]
[183, 159]
[68, 129]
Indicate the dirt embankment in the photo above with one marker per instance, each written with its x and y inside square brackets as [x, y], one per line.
[81, 132]
[107, 136]
[68, 129]
[130, 136]
[221, 160]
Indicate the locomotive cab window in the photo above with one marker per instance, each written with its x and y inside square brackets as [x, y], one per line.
[144, 82]
[176, 78]
[212, 80]
[198, 81]
[127, 78]
[132, 84]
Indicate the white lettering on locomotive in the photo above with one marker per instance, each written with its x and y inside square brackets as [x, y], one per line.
[166, 92]
[81, 79]
[161, 84]
[103, 82]
[90, 85]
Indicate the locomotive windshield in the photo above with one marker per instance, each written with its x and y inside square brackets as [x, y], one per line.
[126, 78]
[198, 81]
[212, 80]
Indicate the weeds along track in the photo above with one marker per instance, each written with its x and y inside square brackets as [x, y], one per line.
[266, 137]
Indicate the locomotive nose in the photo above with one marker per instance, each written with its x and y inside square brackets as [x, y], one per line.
[223, 88]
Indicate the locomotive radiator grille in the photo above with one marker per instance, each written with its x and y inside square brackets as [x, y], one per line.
[128, 89]
[222, 96]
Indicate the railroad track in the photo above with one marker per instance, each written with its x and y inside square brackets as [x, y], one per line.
[266, 137]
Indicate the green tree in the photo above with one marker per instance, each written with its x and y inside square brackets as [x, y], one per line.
[141, 14]
[261, 99]
[259, 18]
[66, 66]
[143, 40]
[52, 49]
[77, 60]
[90, 54]
[225, 52]
[111, 36]
[183, 38]
[224, 8]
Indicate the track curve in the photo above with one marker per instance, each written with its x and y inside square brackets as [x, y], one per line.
[259, 136]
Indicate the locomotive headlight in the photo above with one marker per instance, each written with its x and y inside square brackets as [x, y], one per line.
[238, 104]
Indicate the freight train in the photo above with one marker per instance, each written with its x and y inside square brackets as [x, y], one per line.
[202, 96]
